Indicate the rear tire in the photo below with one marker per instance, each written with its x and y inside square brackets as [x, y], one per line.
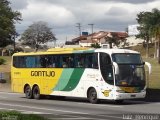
[28, 92]
[36, 93]
[92, 96]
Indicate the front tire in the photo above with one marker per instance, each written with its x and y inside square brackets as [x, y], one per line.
[92, 96]
[28, 92]
[36, 93]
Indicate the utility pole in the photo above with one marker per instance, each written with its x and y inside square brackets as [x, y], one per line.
[79, 28]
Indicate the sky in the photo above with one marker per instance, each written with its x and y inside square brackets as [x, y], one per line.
[63, 15]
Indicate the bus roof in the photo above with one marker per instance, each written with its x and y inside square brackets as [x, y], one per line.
[76, 50]
[112, 51]
[58, 51]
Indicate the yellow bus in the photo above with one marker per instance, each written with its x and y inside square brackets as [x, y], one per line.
[113, 74]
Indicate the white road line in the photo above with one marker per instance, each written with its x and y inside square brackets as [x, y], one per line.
[81, 118]
[31, 107]
[158, 103]
[101, 105]
[10, 93]
[3, 97]
[25, 111]
[35, 112]
[111, 116]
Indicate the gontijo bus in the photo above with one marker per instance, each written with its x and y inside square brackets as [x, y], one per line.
[113, 74]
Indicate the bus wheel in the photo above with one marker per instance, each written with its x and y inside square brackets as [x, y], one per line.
[92, 96]
[36, 93]
[28, 92]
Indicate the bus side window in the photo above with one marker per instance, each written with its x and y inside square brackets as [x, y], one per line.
[58, 61]
[79, 60]
[49, 61]
[43, 61]
[88, 61]
[53, 62]
[30, 61]
[19, 62]
[37, 62]
[70, 61]
[95, 60]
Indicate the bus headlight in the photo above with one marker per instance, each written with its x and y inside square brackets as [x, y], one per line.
[120, 91]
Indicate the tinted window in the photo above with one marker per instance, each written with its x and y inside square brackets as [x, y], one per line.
[127, 58]
[106, 68]
[89, 60]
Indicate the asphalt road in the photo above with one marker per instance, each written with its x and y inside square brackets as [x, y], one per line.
[79, 109]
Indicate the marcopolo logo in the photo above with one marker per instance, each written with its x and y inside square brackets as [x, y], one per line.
[43, 73]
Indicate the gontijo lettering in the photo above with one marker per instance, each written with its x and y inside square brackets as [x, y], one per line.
[43, 73]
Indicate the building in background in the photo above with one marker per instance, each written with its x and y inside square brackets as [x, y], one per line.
[97, 37]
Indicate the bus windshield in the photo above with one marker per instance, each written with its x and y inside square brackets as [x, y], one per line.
[131, 75]
[127, 58]
[131, 69]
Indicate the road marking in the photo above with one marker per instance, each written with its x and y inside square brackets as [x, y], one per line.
[110, 116]
[3, 97]
[80, 118]
[10, 93]
[25, 111]
[31, 107]
[157, 103]
[70, 116]
[100, 105]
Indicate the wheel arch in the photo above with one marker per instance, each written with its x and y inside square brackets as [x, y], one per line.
[90, 89]
[34, 86]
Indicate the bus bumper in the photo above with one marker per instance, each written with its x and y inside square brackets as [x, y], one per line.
[123, 96]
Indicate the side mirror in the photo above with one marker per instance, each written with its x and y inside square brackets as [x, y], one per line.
[149, 67]
[116, 68]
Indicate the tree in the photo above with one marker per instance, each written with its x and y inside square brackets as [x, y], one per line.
[95, 45]
[8, 18]
[38, 33]
[144, 18]
[155, 31]
[150, 27]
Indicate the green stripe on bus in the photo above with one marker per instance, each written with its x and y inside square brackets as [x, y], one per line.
[84, 51]
[64, 79]
[88, 51]
[74, 79]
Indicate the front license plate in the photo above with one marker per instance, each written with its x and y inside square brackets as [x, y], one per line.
[133, 95]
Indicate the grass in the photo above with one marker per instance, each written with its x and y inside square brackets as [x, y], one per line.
[6, 67]
[14, 115]
[154, 79]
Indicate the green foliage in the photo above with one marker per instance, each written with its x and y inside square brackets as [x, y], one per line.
[8, 17]
[38, 33]
[144, 19]
[149, 26]
[2, 61]
[14, 115]
[95, 45]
